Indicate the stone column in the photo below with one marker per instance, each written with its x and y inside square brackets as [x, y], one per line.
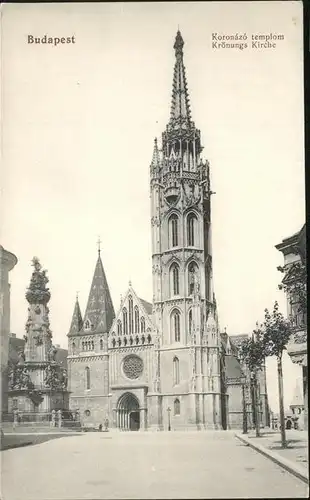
[142, 419]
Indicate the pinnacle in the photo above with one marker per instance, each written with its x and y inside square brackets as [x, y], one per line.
[180, 108]
[76, 322]
[155, 158]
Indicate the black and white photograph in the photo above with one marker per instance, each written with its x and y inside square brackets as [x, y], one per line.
[153, 273]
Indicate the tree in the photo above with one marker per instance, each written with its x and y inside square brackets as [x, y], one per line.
[252, 354]
[277, 332]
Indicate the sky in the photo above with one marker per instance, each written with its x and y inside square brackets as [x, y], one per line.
[78, 126]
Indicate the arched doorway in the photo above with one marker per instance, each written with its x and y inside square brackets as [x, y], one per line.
[128, 413]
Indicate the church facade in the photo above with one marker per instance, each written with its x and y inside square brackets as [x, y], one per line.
[161, 365]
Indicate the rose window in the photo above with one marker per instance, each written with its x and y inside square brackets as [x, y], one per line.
[133, 366]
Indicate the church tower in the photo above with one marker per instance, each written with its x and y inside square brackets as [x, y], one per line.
[88, 357]
[184, 308]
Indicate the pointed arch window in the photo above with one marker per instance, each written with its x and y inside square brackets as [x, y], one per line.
[125, 321]
[173, 231]
[101, 344]
[130, 313]
[142, 324]
[177, 407]
[191, 229]
[87, 325]
[176, 371]
[73, 347]
[119, 327]
[193, 277]
[175, 325]
[190, 321]
[174, 279]
[137, 325]
[87, 378]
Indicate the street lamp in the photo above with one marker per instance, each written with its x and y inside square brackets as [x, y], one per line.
[245, 418]
[169, 425]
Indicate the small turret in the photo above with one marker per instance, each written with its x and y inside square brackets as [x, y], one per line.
[77, 321]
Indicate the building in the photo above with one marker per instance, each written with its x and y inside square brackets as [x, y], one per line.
[37, 383]
[297, 406]
[161, 365]
[7, 262]
[237, 373]
[293, 249]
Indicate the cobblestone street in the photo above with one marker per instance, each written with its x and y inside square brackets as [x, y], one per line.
[144, 465]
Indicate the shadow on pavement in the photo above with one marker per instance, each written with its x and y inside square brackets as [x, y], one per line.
[10, 441]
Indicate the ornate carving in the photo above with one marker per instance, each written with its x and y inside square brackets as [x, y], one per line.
[132, 366]
[55, 378]
[38, 340]
[155, 221]
[38, 293]
[52, 353]
[19, 378]
[300, 337]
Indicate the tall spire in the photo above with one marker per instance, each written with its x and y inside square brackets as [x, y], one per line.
[99, 312]
[180, 107]
[77, 321]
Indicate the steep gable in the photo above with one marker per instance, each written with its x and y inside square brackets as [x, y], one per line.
[133, 316]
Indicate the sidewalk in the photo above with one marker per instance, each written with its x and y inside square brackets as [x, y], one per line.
[294, 458]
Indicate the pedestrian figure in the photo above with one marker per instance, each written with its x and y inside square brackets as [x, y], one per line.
[106, 425]
[100, 427]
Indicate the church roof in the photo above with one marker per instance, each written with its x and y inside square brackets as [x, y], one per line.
[99, 310]
[233, 368]
[77, 321]
[147, 306]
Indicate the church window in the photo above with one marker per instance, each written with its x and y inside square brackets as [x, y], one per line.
[92, 346]
[87, 413]
[143, 339]
[136, 320]
[130, 307]
[174, 279]
[137, 340]
[83, 346]
[113, 343]
[131, 341]
[142, 324]
[191, 224]
[190, 321]
[132, 366]
[173, 231]
[87, 325]
[177, 409]
[125, 341]
[176, 371]
[119, 327]
[125, 321]
[15, 404]
[149, 338]
[87, 378]
[101, 344]
[192, 277]
[175, 323]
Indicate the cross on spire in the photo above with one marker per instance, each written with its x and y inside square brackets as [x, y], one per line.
[99, 243]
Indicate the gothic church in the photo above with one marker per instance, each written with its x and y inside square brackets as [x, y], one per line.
[158, 366]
